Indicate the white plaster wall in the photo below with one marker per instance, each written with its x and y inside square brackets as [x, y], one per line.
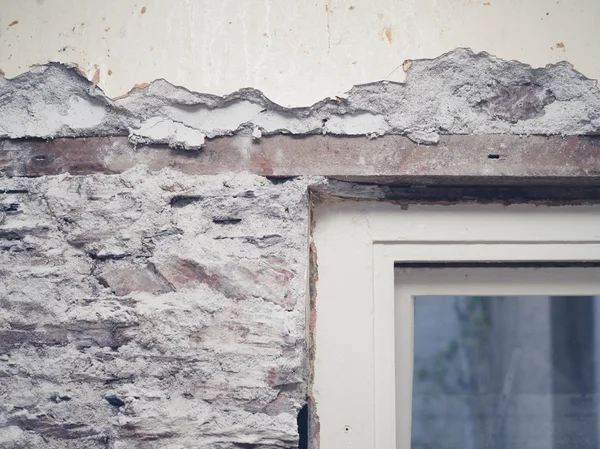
[296, 52]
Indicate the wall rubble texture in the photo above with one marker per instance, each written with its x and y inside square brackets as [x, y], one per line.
[152, 311]
[458, 93]
[164, 310]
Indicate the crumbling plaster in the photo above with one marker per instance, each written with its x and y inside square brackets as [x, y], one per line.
[152, 310]
[457, 93]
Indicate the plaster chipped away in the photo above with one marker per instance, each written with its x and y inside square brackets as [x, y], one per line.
[164, 131]
[53, 101]
[424, 137]
[460, 92]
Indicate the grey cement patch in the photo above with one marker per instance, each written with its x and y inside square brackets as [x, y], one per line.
[457, 93]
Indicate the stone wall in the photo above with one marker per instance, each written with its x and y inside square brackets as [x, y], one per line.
[152, 310]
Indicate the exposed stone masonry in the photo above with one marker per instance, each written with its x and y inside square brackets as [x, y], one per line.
[152, 311]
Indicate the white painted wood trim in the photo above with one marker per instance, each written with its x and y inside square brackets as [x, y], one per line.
[384, 338]
[357, 245]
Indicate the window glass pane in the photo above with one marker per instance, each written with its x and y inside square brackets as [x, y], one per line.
[505, 372]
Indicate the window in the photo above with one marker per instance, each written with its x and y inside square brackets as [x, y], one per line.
[497, 361]
[386, 272]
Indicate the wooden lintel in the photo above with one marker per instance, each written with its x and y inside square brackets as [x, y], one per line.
[456, 159]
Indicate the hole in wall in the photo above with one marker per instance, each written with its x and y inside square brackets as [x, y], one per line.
[12, 207]
[185, 200]
[226, 220]
[280, 179]
[13, 191]
[303, 427]
[114, 400]
[493, 156]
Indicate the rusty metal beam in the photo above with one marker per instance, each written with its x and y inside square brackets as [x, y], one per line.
[455, 160]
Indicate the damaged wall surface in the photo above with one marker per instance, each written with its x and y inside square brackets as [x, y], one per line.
[295, 52]
[152, 311]
[457, 93]
[145, 305]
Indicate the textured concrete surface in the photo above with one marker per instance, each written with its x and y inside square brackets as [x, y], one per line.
[152, 310]
[457, 93]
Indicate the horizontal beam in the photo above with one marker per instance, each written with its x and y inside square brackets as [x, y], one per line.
[455, 160]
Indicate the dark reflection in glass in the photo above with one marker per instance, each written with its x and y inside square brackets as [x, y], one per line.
[506, 372]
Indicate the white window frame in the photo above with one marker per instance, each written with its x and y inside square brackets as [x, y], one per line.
[469, 281]
[357, 246]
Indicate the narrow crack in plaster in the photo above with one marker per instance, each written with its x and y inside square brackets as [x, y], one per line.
[460, 92]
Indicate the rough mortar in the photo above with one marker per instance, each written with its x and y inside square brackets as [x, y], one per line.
[457, 93]
[152, 310]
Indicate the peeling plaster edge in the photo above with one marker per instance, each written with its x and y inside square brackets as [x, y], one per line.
[354, 114]
[406, 65]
